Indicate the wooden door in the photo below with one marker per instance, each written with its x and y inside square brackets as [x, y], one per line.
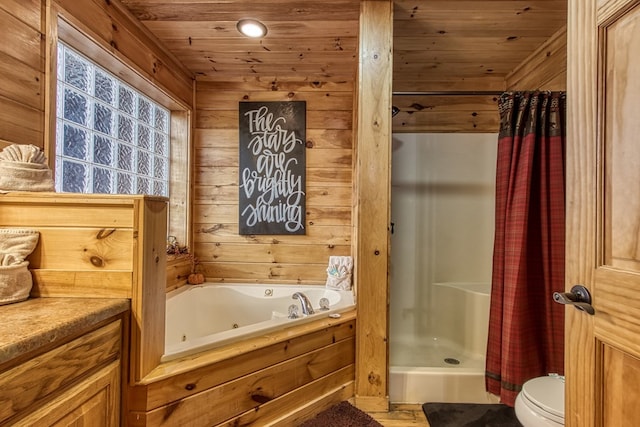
[602, 363]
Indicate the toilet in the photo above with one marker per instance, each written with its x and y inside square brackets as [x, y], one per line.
[540, 403]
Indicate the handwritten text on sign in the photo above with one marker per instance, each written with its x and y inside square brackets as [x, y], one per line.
[272, 167]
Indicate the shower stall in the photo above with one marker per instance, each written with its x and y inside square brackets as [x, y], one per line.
[442, 209]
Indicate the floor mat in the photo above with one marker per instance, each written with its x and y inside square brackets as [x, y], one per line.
[342, 414]
[470, 415]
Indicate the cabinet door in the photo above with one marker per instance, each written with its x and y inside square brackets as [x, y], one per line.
[93, 402]
[603, 213]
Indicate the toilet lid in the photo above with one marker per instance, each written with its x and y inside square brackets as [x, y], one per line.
[547, 393]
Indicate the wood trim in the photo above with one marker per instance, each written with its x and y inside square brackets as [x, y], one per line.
[582, 216]
[303, 335]
[50, 82]
[540, 70]
[372, 177]
[609, 10]
[372, 403]
[149, 286]
[180, 206]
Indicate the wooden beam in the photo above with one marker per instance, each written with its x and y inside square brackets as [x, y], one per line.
[372, 203]
[581, 200]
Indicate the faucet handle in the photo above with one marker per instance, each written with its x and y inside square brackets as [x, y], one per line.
[324, 304]
[293, 311]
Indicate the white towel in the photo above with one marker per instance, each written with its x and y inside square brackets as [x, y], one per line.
[24, 153]
[15, 283]
[24, 168]
[15, 278]
[16, 244]
[339, 273]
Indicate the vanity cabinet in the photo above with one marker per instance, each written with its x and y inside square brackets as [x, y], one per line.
[92, 402]
[100, 246]
[68, 375]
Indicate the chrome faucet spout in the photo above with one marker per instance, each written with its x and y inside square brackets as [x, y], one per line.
[307, 308]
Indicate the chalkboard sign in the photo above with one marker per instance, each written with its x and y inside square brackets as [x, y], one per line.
[272, 172]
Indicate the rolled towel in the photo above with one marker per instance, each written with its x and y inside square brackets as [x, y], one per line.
[15, 278]
[24, 168]
[16, 244]
[15, 283]
[25, 153]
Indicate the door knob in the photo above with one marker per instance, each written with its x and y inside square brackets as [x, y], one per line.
[579, 297]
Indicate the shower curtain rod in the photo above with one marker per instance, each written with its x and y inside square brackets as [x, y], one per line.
[455, 92]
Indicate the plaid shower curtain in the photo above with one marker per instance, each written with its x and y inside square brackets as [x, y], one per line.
[526, 328]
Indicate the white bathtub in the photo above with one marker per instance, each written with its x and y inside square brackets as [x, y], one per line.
[444, 359]
[202, 317]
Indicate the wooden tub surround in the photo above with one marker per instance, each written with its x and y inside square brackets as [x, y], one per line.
[283, 377]
[113, 247]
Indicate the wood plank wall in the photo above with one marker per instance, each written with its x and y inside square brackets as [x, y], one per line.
[116, 30]
[223, 254]
[23, 60]
[22, 67]
[446, 113]
[30, 25]
[544, 69]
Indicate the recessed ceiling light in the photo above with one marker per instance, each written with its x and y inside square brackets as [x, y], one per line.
[251, 28]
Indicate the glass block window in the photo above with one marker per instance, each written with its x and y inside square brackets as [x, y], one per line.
[110, 137]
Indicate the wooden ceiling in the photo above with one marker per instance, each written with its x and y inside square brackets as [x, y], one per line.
[305, 39]
[439, 45]
[461, 45]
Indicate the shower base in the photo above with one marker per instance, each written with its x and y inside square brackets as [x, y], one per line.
[422, 372]
[433, 352]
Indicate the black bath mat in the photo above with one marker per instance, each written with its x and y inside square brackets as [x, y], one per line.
[342, 414]
[470, 415]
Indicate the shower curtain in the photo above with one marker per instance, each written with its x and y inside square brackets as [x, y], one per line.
[526, 328]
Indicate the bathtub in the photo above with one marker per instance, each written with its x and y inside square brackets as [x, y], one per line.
[443, 358]
[203, 317]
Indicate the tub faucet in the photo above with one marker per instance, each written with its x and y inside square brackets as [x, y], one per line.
[304, 303]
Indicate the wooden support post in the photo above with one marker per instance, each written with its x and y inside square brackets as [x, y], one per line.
[372, 210]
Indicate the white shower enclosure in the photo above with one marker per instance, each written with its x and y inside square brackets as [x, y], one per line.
[443, 204]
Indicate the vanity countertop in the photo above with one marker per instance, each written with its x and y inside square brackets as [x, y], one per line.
[36, 322]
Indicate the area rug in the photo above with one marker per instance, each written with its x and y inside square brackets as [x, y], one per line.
[342, 414]
[470, 415]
